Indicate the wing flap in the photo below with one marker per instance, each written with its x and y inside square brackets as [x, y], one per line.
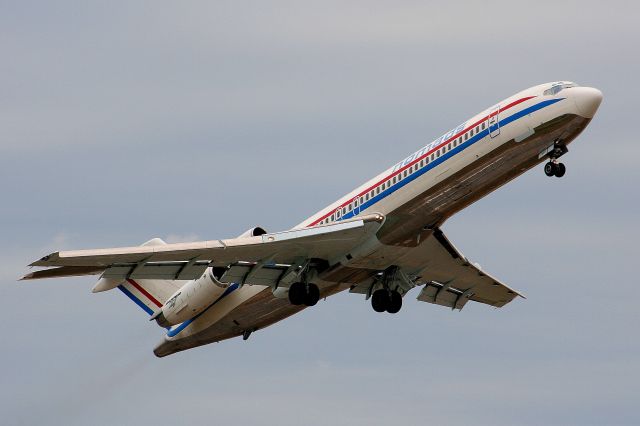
[63, 271]
[185, 270]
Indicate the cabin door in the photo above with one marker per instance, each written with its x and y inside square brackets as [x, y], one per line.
[494, 122]
[356, 206]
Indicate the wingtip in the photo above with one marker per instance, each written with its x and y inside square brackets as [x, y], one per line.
[44, 260]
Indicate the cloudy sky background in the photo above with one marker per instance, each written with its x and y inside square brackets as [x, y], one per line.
[120, 122]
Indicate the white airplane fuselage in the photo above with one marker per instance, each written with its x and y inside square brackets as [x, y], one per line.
[415, 195]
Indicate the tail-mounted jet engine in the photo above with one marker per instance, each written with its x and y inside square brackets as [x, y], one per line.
[191, 299]
[253, 232]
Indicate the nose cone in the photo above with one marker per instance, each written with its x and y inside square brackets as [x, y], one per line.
[587, 100]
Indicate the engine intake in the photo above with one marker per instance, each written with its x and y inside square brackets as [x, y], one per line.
[253, 232]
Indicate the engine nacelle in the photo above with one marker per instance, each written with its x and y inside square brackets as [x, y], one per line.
[253, 232]
[191, 299]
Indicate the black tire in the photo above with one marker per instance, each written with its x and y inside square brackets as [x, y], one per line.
[395, 303]
[297, 293]
[550, 169]
[380, 300]
[312, 296]
[560, 170]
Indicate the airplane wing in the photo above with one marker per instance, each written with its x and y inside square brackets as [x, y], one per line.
[449, 278]
[186, 261]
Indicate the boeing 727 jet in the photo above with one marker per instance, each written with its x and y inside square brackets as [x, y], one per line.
[380, 240]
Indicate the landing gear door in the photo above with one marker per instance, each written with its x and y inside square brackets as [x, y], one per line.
[494, 122]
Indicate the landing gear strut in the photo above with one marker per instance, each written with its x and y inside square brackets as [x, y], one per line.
[304, 294]
[553, 167]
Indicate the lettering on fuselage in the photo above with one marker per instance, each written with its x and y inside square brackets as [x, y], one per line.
[172, 302]
[429, 147]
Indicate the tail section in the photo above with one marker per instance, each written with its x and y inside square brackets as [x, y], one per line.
[150, 295]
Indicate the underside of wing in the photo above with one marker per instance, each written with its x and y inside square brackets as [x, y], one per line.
[189, 260]
[448, 277]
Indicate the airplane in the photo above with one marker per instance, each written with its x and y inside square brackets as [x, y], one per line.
[380, 240]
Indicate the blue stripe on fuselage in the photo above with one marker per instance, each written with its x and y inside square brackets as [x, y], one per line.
[448, 155]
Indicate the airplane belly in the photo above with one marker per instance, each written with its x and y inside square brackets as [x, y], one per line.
[460, 185]
[258, 311]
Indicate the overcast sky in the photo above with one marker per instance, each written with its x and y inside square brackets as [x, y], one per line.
[123, 121]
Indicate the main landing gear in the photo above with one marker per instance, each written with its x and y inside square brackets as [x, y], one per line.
[553, 167]
[304, 294]
[386, 300]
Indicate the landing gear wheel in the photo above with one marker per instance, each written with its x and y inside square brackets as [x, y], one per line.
[380, 300]
[297, 293]
[550, 169]
[312, 296]
[560, 170]
[395, 302]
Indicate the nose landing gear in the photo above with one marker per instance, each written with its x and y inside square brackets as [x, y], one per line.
[553, 167]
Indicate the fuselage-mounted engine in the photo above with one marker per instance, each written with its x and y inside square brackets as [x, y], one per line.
[253, 232]
[190, 300]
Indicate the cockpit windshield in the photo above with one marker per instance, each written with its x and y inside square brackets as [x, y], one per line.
[557, 87]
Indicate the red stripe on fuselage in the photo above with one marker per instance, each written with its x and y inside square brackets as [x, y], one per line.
[397, 172]
[145, 292]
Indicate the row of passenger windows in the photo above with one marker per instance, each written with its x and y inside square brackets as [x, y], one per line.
[359, 201]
